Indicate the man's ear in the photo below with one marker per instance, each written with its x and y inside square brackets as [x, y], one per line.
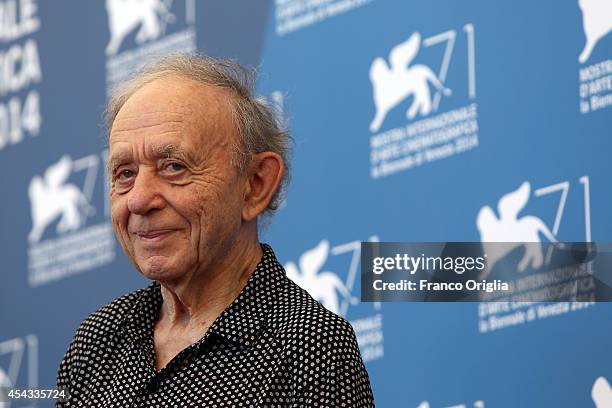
[264, 176]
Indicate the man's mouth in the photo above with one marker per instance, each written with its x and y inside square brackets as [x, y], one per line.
[153, 235]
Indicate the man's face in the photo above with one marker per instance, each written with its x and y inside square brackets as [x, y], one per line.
[176, 198]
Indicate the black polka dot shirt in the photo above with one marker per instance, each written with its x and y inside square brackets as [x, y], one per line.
[274, 346]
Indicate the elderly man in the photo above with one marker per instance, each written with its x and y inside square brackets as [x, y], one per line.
[194, 161]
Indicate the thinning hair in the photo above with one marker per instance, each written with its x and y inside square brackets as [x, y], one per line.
[259, 123]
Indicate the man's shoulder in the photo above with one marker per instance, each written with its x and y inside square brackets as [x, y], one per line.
[109, 317]
[299, 315]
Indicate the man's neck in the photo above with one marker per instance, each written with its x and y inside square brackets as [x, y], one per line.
[192, 306]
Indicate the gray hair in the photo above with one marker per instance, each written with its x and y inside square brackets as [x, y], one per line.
[260, 124]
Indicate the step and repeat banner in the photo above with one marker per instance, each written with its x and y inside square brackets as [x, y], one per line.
[413, 121]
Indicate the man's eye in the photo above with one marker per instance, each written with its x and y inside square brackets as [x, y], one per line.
[175, 167]
[125, 174]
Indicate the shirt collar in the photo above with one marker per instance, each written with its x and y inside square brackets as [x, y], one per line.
[242, 321]
[246, 317]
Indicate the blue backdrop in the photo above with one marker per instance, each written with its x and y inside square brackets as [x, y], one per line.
[431, 120]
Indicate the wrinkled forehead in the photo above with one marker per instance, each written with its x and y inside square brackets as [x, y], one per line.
[176, 106]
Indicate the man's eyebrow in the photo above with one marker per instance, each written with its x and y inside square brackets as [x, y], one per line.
[169, 151]
[174, 151]
[115, 161]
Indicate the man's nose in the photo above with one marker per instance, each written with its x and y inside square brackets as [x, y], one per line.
[145, 195]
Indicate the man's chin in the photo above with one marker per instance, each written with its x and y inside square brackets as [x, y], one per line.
[158, 268]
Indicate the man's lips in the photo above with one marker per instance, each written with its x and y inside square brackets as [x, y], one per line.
[153, 235]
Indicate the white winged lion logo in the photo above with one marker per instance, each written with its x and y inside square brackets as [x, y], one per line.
[602, 393]
[596, 22]
[392, 84]
[323, 286]
[51, 197]
[125, 15]
[512, 231]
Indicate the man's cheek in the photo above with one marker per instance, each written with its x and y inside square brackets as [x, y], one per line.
[121, 233]
[119, 216]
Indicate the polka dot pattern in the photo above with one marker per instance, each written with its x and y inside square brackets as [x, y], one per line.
[274, 346]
